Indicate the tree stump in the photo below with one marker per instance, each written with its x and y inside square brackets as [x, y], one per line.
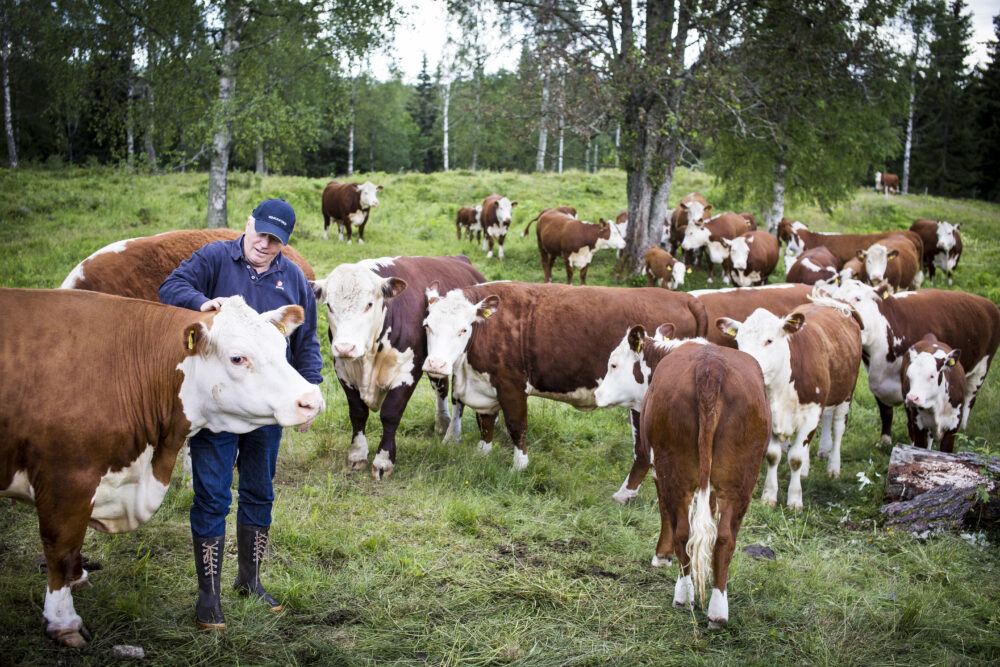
[929, 491]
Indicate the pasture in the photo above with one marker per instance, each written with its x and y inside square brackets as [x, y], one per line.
[456, 559]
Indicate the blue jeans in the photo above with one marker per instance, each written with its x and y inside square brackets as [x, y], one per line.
[212, 458]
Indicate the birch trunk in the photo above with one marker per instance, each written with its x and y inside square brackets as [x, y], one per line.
[350, 129]
[543, 133]
[261, 164]
[475, 131]
[446, 102]
[562, 136]
[148, 143]
[8, 124]
[222, 139]
[130, 122]
[778, 198]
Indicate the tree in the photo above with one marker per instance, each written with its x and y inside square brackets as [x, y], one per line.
[424, 113]
[987, 101]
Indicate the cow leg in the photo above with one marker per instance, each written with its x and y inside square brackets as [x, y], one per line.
[326, 224]
[514, 404]
[798, 455]
[361, 232]
[825, 438]
[357, 455]
[488, 244]
[454, 432]
[391, 413]
[727, 269]
[547, 260]
[840, 413]
[62, 539]
[348, 226]
[442, 416]
[773, 456]
[500, 241]
[340, 230]
[684, 588]
[641, 460]
[487, 422]
[663, 555]
[569, 271]
[918, 437]
[948, 441]
[583, 274]
[722, 556]
[885, 414]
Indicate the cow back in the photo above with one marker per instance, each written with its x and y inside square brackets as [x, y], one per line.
[341, 199]
[825, 354]
[738, 303]
[846, 246]
[812, 266]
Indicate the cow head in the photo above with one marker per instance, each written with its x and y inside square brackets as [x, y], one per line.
[764, 336]
[876, 261]
[865, 300]
[947, 235]
[739, 251]
[236, 375]
[610, 236]
[677, 273]
[625, 382]
[929, 365]
[696, 235]
[695, 209]
[505, 211]
[368, 192]
[356, 301]
[449, 324]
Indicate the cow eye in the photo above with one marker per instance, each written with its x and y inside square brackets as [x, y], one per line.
[614, 366]
[238, 360]
[463, 331]
[768, 341]
[369, 306]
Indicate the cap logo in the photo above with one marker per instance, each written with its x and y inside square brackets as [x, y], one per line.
[283, 223]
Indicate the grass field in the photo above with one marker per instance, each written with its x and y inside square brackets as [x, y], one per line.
[456, 559]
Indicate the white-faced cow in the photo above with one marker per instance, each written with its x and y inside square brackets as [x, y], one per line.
[506, 341]
[933, 383]
[711, 235]
[810, 360]
[752, 258]
[576, 241]
[942, 245]
[468, 219]
[967, 322]
[495, 217]
[349, 204]
[886, 182]
[692, 206]
[126, 382]
[376, 309]
[814, 266]
[661, 268]
[707, 422]
[893, 261]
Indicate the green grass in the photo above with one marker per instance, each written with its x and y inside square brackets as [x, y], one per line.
[454, 558]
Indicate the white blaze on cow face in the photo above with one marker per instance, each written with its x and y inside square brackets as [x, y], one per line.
[615, 240]
[927, 376]
[236, 374]
[876, 260]
[696, 235]
[795, 246]
[677, 276]
[739, 251]
[946, 235]
[369, 196]
[695, 210]
[448, 326]
[764, 336]
[356, 304]
[620, 387]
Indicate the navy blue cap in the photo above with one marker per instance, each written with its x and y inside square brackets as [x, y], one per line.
[275, 217]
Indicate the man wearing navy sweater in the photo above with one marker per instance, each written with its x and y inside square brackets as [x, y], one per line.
[253, 267]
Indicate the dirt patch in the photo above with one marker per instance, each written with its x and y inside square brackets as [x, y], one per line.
[569, 545]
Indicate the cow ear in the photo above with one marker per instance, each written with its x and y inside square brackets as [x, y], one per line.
[194, 339]
[861, 255]
[728, 242]
[319, 290]
[666, 331]
[285, 319]
[432, 292]
[392, 287]
[958, 226]
[729, 327]
[883, 290]
[953, 357]
[378, 188]
[486, 308]
[636, 334]
[513, 204]
[929, 339]
[793, 323]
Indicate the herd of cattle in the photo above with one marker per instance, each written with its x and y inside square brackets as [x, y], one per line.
[746, 372]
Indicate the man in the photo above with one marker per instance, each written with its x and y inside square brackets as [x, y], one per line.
[253, 267]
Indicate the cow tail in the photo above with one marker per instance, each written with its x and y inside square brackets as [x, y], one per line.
[524, 234]
[701, 543]
[700, 315]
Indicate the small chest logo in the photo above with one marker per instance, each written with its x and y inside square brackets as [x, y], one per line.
[279, 285]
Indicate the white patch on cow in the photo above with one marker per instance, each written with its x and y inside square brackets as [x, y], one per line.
[743, 279]
[581, 398]
[474, 388]
[876, 262]
[718, 609]
[382, 462]
[946, 236]
[695, 236]
[581, 258]
[59, 612]
[724, 290]
[20, 488]
[128, 498]
[619, 387]
[660, 562]
[717, 251]
[357, 217]
[812, 266]
[520, 460]
[973, 381]
[928, 395]
[369, 195]
[76, 275]
[615, 240]
[625, 494]
[684, 593]
[484, 448]
[739, 252]
[695, 209]
[677, 275]
[454, 433]
[358, 452]
[377, 372]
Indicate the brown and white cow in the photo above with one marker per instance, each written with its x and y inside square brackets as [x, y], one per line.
[887, 183]
[711, 235]
[495, 217]
[933, 382]
[810, 360]
[893, 261]
[505, 341]
[816, 265]
[752, 258]
[136, 267]
[376, 310]
[843, 247]
[751, 221]
[964, 321]
[692, 206]
[705, 417]
[942, 245]
[739, 302]
[468, 219]
[116, 386]
[661, 268]
[349, 204]
[576, 241]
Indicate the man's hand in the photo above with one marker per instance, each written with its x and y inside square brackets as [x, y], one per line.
[213, 304]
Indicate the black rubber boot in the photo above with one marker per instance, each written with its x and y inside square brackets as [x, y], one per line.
[208, 563]
[251, 542]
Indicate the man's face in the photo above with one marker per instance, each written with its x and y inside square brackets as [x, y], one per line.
[259, 249]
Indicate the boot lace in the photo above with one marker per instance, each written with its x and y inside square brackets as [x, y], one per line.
[259, 550]
[210, 560]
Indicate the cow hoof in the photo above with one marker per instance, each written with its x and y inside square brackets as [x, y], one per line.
[625, 496]
[359, 464]
[378, 474]
[717, 623]
[683, 606]
[823, 455]
[661, 562]
[796, 507]
[73, 638]
[832, 474]
[361, 241]
[770, 502]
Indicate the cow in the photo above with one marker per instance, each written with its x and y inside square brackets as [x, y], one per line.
[692, 206]
[711, 235]
[942, 245]
[495, 218]
[752, 258]
[375, 309]
[126, 382]
[566, 210]
[136, 267]
[968, 322]
[576, 241]
[502, 341]
[751, 221]
[468, 218]
[887, 183]
[894, 261]
[816, 265]
[661, 268]
[349, 204]
[706, 419]
[621, 221]
[810, 359]
[843, 247]
[933, 383]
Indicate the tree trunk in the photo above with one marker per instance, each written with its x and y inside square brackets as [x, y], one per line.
[905, 185]
[130, 122]
[778, 198]
[350, 129]
[235, 16]
[261, 164]
[8, 124]
[446, 103]
[543, 132]
[618, 142]
[562, 141]
[475, 131]
[149, 144]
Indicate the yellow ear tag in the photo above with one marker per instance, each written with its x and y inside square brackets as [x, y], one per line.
[951, 362]
[690, 270]
[731, 332]
[191, 339]
[281, 327]
[486, 313]
[639, 348]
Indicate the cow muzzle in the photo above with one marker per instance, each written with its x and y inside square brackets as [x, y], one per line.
[914, 400]
[342, 350]
[437, 368]
[310, 404]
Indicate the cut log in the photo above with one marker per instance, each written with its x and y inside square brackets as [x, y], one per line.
[929, 491]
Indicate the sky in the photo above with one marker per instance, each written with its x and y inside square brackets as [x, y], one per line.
[424, 31]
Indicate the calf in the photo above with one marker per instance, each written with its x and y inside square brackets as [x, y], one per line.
[576, 241]
[706, 419]
[942, 245]
[711, 235]
[843, 247]
[116, 386]
[691, 207]
[816, 265]
[661, 268]
[468, 219]
[933, 383]
[506, 341]
[349, 204]
[893, 261]
[752, 258]
[375, 309]
[964, 321]
[810, 361]
[495, 218]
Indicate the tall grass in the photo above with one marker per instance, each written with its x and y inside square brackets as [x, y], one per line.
[456, 559]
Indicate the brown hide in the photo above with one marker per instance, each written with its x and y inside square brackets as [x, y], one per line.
[927, 230]
[340, 200]
[825, 355]
[751, 221]
[846, 246]
[138, 270]
[890, 183]
[561, 235]
[466, 218]
[763, 256]
[900, 271]
[658, 266]
[738, 303]
[803, 272]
